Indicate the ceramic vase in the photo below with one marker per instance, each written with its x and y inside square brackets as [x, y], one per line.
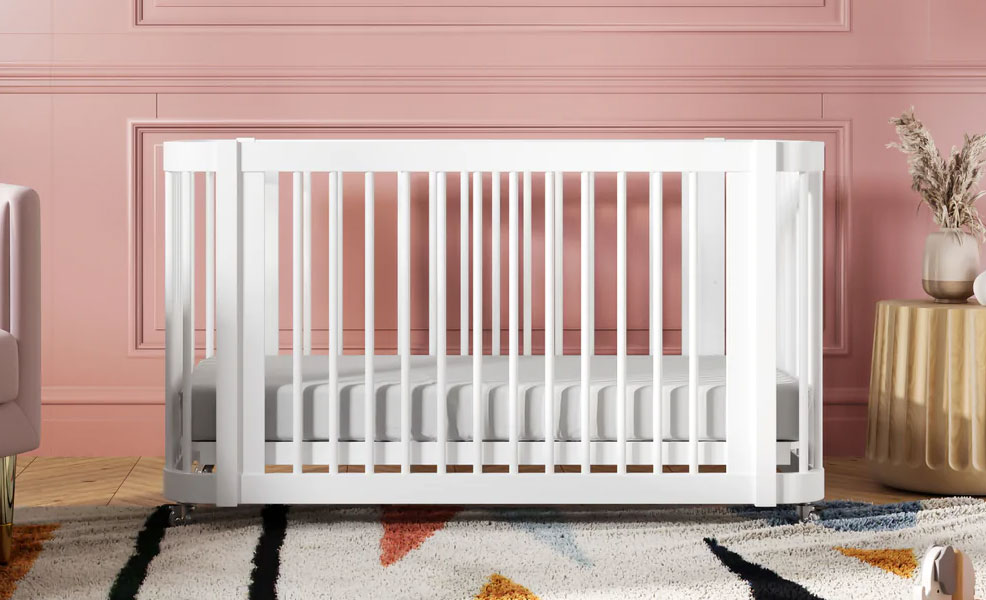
[951, 264]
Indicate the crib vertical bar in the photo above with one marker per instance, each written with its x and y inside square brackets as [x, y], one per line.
[441, 385]
[297, 316]
[340, 231]
[254, 331]
[621, 321]
[559, 282]
[513, 425]
[803, 320]
[173, 330]
[272, 262]
[463, 263]
[369, 327]
[656, 210]
[404, 311]
[495, 264]
[432, 239]
[762, 314]
[584, 356]
[210, 264]
[528, 266]
[549, 323]
[691, 209]
[230, 374]
[815, 315]
[188, 313]
[307, 229]
[477, 322]
[335, 298]
[592, 263]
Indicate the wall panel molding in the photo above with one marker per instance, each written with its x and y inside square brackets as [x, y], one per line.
[146, 336]
[436, 79]
[565, 15]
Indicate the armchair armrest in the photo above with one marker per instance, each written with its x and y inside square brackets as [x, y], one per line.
[20, 309]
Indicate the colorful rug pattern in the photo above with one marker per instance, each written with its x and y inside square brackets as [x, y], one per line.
[852, 550]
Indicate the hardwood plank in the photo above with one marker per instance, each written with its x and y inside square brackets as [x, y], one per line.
[129, 481]
[53, 481]
[850, 479]
[142, 486]
[22, 463]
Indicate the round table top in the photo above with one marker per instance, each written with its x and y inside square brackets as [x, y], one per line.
[932, 305]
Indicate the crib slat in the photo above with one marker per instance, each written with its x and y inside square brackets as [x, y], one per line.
[210, 264]
[173, 327]
[369, 327]
[495, 265]
[656, 210]
[549, 324]
[592, 263]
[559, 282]
[477, 321]
[307, 218]
[340, 267]
[691, 208]
[188, 312]
[528, 266]
[441, 385]
[297, 244]
[431, 263]
[815, 291]
[404, 312]
[254, 332]
[621, 321]
[463, 263]
[335, 298]
[803, 318]
[584, 326]
[272, 262]
[513, 424]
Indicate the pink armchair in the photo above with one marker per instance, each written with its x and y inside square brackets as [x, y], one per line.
[20, 341]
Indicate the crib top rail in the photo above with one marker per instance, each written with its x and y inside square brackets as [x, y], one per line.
[713, 155]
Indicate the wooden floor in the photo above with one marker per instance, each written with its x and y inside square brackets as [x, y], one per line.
[136, 481]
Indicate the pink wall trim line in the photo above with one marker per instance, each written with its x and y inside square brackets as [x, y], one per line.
[82, 78]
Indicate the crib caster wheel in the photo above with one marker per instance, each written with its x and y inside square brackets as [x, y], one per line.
[806, 512]
[180, 514]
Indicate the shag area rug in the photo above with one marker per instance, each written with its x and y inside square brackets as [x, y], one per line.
[857, 551]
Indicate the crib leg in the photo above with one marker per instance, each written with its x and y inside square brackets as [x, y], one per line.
[806, 512]
[181, 514]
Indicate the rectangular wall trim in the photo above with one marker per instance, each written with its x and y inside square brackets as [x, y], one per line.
[564, 15]
[146, 332]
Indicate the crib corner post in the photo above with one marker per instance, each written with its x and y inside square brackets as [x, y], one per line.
[763, 317]
[173, 375]
[751, 344]
[229, 320]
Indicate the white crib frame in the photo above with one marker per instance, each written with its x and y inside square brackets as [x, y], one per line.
[765, 311]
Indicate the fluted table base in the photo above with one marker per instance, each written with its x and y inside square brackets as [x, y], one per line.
[927, 406]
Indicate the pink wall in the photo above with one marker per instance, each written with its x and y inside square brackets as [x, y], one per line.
[90, 88]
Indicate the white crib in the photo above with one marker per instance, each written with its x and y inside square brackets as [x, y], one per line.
[739, 413]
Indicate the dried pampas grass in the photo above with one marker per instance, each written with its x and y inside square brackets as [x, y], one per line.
[949, 187]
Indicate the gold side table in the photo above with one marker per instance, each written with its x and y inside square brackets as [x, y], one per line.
[927, 407]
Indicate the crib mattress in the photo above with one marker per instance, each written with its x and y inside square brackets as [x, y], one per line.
[602, 403]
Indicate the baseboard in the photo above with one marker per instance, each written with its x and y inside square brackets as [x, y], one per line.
[129, 421]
